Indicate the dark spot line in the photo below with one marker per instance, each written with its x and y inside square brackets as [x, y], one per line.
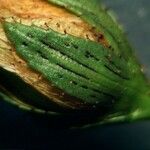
[84, 86]
[29, 35]
[93, 96]
[104, 93]
[89, 55]
[80, 75]
[84, 65]
[64, 54]
[60, 76]
[42, 55]
[117, 73]
[48, 44]
[67, 44]
[118, 68]
[24, 43]
[75, 46]
[73, 82]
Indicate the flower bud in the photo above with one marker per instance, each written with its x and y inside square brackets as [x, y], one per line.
[72, 60]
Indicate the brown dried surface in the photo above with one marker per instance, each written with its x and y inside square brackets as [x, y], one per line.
[45, 15]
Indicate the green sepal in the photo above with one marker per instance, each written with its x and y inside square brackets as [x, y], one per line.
[82, 68]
